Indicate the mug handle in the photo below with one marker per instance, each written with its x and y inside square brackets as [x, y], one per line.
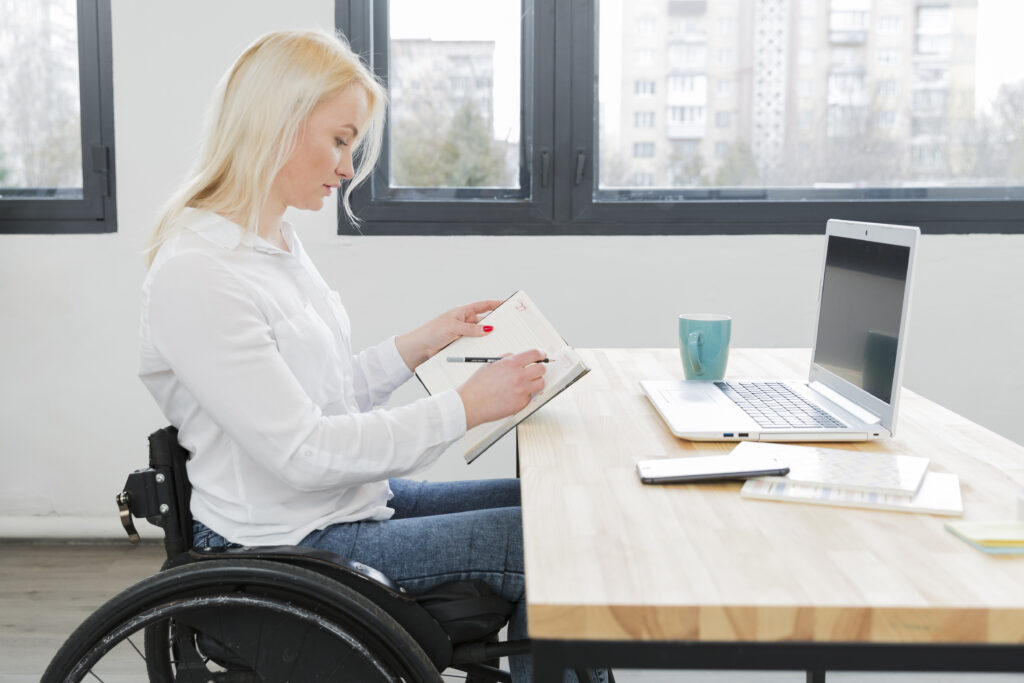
[696, 340]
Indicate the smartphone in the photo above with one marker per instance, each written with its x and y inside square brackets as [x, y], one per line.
[708, 468]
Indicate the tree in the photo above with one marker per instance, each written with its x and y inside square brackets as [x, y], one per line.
[738, 167]
[464, 155]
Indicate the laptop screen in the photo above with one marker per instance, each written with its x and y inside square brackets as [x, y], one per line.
[861, 308]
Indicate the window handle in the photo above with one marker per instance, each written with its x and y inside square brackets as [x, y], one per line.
[545, 167]
[581, 165]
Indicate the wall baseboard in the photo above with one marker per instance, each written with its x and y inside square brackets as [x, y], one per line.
[68, 527]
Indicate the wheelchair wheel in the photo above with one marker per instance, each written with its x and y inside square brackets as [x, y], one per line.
[235, 621]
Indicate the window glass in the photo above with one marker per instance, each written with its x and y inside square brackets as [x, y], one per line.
[455, 83]
[40, 129]
[827, 95]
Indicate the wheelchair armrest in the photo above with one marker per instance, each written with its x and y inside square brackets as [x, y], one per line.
[147, 493]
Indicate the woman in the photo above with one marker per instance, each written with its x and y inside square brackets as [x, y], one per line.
[247, 350]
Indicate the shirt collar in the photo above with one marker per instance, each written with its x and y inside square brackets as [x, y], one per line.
[228, 235]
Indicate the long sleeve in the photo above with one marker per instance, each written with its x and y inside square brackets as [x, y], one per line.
[208, 327]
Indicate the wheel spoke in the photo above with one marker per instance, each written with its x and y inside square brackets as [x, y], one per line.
[136, 648]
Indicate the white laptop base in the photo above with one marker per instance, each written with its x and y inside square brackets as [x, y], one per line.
[700, 411]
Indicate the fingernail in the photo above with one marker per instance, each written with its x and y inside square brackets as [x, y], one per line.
[488, 328]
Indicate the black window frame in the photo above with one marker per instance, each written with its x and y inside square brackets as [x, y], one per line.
[563, 141]
[44, 211]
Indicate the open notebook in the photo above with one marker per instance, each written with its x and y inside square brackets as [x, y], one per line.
[518, 326]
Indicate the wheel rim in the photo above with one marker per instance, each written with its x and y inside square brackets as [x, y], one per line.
[161, 617]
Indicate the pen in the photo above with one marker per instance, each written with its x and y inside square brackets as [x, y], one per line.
[483, 359]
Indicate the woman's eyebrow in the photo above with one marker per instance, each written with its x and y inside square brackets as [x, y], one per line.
[355, 130]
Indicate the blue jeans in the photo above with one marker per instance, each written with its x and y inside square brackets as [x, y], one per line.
[441, 531]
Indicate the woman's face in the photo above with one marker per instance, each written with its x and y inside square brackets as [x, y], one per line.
[322, 157]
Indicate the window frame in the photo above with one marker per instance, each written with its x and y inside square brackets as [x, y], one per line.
[96, 210]
[383, 211]
[572, 203]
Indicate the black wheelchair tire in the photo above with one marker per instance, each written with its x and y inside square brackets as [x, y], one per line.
[270, 582]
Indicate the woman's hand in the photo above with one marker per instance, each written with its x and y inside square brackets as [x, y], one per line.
[426, 340]
[502, 388]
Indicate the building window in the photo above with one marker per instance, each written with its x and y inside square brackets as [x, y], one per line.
[889, 25]
[888, 88]
[887, 58]
[57, 130]
[687, 84]
[686, 114]
[723, 119]
[643, 179]
[643, 87]
[643, 150]
[643, 57]
[643, 119]
[644, 25]
[687, 56]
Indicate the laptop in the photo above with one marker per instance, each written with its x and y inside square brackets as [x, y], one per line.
[852, 391]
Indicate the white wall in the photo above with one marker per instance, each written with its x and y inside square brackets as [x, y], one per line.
[74, 417]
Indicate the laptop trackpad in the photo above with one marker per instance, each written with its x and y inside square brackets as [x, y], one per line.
[701, 406]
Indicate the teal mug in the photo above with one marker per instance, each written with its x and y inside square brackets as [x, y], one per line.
[704, 344]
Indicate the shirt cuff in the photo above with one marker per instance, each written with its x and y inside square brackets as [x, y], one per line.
[453, 414]
[397, 371]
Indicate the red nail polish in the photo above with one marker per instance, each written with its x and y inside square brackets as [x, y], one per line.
[488, 328]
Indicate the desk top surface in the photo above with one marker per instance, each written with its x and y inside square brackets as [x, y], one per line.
[609, 558]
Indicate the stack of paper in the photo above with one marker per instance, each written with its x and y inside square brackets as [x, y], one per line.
[994, 538]
[829, 476]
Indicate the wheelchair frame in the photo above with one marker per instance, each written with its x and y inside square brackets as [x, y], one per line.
[325, 592]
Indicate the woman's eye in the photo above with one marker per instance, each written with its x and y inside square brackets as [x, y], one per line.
[340, 143]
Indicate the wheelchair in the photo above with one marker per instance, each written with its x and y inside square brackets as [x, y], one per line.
[272, 614]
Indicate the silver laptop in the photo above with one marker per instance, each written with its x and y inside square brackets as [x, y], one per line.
[852, 392]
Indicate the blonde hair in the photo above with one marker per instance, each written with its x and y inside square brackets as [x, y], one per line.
[260, 107]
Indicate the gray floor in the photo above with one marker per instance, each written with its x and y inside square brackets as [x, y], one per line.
[47, 589]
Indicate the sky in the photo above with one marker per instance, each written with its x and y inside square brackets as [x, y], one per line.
[1000, 57]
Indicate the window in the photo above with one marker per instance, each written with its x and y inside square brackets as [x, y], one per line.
[889, 25]
[644, 25]
[643, 119]
[56, 136]
[643, 87]
[643, 150]
[642, 179]
[605, 146]
[687, 84]
[887, 58]
[643, 57]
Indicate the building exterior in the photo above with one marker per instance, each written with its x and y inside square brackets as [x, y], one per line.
[791, 92]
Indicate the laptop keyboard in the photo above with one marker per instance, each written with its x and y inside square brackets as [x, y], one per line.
[774, 405]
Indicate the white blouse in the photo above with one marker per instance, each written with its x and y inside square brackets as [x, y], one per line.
[247, 351]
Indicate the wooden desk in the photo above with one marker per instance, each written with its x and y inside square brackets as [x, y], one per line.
[694, 576]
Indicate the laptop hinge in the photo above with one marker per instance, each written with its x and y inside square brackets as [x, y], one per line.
[846, 404]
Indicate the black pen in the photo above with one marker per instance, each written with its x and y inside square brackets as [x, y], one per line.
[484, 359]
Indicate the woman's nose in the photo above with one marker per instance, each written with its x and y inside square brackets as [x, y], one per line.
[344, 169]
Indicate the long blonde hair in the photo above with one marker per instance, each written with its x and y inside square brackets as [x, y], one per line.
[258, 112]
